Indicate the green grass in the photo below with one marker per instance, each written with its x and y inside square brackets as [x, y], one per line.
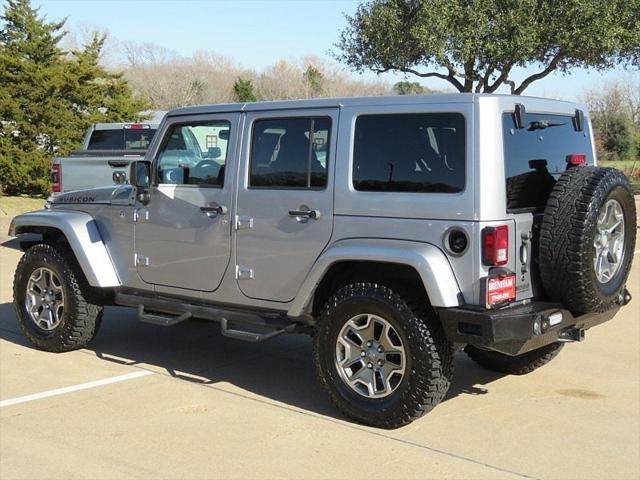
[621, 164]
[11, 206]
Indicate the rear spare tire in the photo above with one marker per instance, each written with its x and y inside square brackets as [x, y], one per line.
[587, 239]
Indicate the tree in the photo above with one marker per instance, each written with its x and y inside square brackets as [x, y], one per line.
[243, 91]
[408, 88]
[475, 45]
[618, 137]
[614, 114]
[313, 79]
[48, 97]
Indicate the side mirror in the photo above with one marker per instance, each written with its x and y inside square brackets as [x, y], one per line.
[140, 174]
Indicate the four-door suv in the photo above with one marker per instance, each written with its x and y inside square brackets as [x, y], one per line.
[394, 230]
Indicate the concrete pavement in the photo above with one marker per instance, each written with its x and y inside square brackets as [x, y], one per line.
[220, 408]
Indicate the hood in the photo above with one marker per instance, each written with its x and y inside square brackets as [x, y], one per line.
[114, 194]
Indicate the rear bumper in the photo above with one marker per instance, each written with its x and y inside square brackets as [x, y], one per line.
[517, 330]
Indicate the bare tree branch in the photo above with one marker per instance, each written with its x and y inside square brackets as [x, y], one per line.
[449, 78]
[504, 75]
[553, 64]
[483, 83]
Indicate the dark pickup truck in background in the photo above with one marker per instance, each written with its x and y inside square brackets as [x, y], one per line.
[107, 149]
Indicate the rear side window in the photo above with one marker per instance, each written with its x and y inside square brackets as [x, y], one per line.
[290, 153]
[417, 152]
[121, 139]
[535, 157]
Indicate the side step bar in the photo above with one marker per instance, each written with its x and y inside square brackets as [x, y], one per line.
[163, 321]
[240, 325]
[252, 336]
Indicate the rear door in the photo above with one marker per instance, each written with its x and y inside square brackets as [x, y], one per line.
[285, 200]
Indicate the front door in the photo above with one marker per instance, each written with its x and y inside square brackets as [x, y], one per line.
[183, 235]
[285, 200]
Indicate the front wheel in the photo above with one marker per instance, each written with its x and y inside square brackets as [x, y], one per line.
[383, 361]
[50, 294]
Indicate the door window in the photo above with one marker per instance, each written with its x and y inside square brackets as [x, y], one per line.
[290, 153]
[421, 152]
[194, 154]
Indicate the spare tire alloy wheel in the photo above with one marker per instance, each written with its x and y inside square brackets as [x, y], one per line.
[587, 239]
[44, 299]
[370, 356]
[609, 241]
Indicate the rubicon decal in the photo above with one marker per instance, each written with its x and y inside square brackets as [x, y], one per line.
[76, 199]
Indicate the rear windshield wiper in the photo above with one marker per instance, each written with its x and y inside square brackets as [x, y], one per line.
[542, 124]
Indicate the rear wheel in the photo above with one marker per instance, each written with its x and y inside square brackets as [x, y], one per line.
[50, 295]
[382, 360]
[514, 365]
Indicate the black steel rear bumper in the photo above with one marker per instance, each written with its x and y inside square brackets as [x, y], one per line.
[519, 329]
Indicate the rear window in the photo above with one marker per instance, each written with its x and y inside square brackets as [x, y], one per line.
[417, 152]
[121, 139]
[535, 157]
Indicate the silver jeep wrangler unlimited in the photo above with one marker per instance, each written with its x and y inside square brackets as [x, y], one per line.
[394, 230]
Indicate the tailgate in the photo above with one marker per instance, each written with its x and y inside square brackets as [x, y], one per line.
[80, 172]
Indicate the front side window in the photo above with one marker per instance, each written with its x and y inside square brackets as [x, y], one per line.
[417, 152]
[290, 153]
[194, 154]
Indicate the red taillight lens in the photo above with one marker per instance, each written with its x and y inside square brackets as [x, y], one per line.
[56, 179]
[495, 245]
[577, 159]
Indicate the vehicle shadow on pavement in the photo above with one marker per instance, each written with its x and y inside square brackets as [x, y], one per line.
[281, 369]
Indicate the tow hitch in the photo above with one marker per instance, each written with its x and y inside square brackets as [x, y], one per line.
[572, 334]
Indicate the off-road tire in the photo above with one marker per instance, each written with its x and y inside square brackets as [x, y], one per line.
[514, 365]
[80, 319]
[567, 238]
[430, 357]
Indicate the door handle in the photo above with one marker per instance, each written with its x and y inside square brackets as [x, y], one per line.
[214, 210]
[309, 214]
[118, 163]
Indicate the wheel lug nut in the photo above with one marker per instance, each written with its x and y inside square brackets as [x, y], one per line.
[380, 349]
[380, 362]
[369, 365]
[369, 343]
[363, 353]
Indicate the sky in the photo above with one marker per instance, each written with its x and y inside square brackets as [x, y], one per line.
[257, 33]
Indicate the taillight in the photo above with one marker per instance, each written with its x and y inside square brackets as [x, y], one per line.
[495, 245]
[577, 159]
[56, 178]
